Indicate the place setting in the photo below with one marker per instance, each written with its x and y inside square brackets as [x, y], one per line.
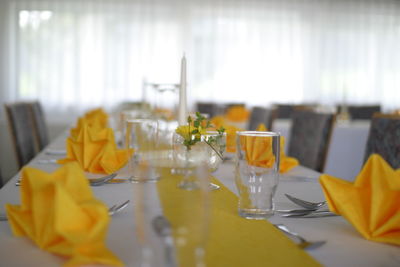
[189, 194]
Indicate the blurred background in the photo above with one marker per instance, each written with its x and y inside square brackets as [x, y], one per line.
[74, 55]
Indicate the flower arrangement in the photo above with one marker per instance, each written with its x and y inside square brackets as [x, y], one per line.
[196, 128]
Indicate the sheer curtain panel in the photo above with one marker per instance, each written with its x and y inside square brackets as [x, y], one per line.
[73, 55]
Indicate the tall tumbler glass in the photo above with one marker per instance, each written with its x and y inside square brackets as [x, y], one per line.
[141, 136]
[257, 172]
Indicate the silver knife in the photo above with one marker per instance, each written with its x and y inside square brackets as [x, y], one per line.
[163, 229]
[310, 214]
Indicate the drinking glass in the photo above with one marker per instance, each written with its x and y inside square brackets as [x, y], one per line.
[141, 136]
[208, 151]
[257, 172]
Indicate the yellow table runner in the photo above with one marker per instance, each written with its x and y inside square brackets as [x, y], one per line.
[232, 241]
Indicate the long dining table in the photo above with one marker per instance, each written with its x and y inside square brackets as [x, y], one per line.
[344, 245]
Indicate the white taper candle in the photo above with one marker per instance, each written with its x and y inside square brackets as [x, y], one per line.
[182, 112]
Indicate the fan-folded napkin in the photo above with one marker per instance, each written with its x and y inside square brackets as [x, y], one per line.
[59, 213]
[96, 118]
[237, 114]
[259, 152]
[372, 203]
[219, 121]
[95, 150]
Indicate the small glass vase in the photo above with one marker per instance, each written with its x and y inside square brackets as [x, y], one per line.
[203, 152]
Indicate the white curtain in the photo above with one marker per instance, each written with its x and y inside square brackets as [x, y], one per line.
[74, 55]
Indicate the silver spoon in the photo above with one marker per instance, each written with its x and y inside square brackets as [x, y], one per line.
[303, 243]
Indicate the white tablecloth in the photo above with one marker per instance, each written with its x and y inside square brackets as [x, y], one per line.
[344, 247]
[346, 150]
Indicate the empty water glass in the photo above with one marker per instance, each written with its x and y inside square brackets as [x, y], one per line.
[141, 136]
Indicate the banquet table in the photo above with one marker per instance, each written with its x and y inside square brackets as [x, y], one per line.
[346, 150]
[344, 247]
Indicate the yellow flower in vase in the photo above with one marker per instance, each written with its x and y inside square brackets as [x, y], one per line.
[194, 143]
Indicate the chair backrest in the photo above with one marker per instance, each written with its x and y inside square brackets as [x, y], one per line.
[207, 108]
[384, 138]
[363, 112]
[310, 137]
[39, 124]
[285, 111]
[261, 115]
[22, 131]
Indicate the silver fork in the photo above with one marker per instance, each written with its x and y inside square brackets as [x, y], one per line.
[111, 211]
[303, 243]
[114, 209]
[93, 182]
[306, 204]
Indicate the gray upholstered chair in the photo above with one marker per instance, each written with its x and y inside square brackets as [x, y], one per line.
[209, 108]
[285, 111]
[39, 124]
[261, 115]
[22, 131]
[361, 112]
[384, 138]
[310, 138]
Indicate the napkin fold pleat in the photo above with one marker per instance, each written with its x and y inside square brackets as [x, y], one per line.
[259, 152]
[59, 213]
[371, 203]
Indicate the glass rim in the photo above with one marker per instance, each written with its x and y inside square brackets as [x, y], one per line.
[258, 133]
[212, 132]
[139, 120]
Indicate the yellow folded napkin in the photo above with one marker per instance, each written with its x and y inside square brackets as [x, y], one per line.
[372, 203]
[96, 117]
[258, 151]
[261, 157]
[59, 213]
[237, 114]
[231, 137]
[95, 150]
[219, 121]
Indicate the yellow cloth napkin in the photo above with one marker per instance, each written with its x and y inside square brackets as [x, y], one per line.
[372, 203]
[231, 137]
[260, 153]
[59, 213]
[219, 121]
[237, 114]
[95, 150]
[96, 118]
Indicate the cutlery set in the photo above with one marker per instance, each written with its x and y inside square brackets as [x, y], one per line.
[310, 209]
[111, 211]
[108, 179]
